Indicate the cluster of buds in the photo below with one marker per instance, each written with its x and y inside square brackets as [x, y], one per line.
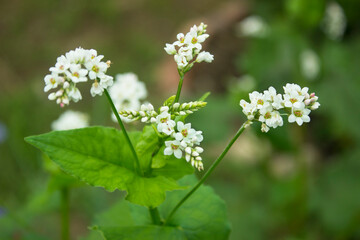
[187, 48]
[147, 114]
[264, 107]
[187, 108]
[76, 66]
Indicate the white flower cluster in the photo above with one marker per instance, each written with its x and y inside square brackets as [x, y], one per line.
[188, 46]
[184, 139]
[310, 64]
[334, 22]
[76, 66]
[127, 93]
[70, 120]
[264, 107]
[253, 26]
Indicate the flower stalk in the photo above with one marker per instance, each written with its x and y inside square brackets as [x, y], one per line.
[65, 232]
[179, 86]
[137, 162]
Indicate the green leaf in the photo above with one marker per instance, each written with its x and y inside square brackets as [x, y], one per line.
[170, 166]
[202, 216]
[142, 232]
[204, 97]
[168, 102]
[101, 157]
[146, 146]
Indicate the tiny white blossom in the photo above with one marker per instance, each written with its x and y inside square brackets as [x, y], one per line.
[205, 57]
[299, 115]
[275, 99]
[96, 89]
[184, 132]
[51, 81]
[257, 99]
[164, 123]
[173, 147]
[170, 49]
[75, 94]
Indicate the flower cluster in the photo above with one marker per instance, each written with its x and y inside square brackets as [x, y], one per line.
[126, 93]
[188, 46]
[253, 26]
[76, 66]
[70, 120]
[184, 139]
[334, 21]
[264, 107]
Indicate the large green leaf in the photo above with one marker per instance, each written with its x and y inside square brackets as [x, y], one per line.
[202, 216]
[145, 147]
[143, 232]
[170, 166]
[101, 157]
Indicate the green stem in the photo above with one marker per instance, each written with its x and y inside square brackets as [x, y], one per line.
[179, 87]
[138, 167]
[155, 216]
[207, 174]
[152, 211]
[65, 233]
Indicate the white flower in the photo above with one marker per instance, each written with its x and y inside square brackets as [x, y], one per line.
[97, 69]
[248, 109]
[51, 81]
[61, 66]
[253, 26]
[173, 147]
[70, 120]
[275, 99]
[127, 86]
[180, 40]
[77, 74]
[197, 138]
[258, 100]
[294, 95]
[96, 89]
[299, 115]
[75, 94]
[184, 132]
[310, 64]
[170, 49]
[181, 61]
[106, 81]
[205, 57]
[164, 123]
[264, 127]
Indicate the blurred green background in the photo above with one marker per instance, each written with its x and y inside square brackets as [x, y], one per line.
[291, 183]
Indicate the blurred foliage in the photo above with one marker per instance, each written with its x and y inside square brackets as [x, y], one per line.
[306, 186]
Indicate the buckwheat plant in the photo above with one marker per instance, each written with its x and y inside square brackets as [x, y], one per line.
[151, 165]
